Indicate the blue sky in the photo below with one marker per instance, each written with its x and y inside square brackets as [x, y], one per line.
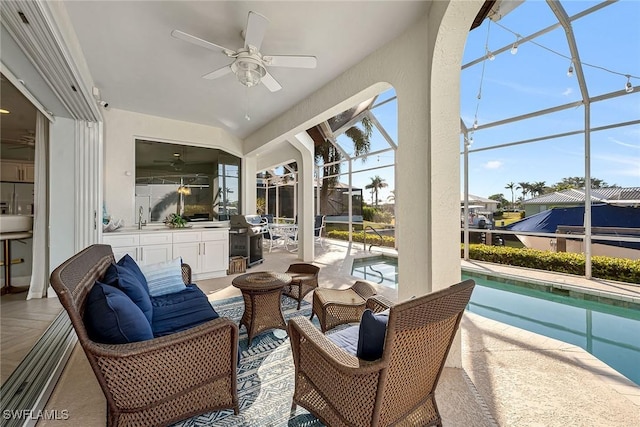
[535, 79]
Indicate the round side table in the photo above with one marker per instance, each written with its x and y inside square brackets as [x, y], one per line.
[262, 292]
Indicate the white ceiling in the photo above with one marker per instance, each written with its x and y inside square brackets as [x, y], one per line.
[139, 66]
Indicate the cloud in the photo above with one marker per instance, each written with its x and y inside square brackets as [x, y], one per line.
[568, 91]
[624, 144]
[493, 164]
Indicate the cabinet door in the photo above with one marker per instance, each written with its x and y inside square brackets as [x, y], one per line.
[190, 253]
[119, 252]
[215, 256]
[10, 171]
[153, 254]
[28, 173]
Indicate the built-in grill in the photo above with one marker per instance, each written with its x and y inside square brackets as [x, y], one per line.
[245, 237]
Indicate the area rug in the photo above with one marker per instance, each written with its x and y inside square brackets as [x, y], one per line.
[265, 376]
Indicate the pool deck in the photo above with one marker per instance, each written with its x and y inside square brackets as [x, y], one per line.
[509, 376]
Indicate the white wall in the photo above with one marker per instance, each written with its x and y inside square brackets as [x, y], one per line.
[62, 192]
[121, 130]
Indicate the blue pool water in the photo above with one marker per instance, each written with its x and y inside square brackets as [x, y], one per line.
[610, 333]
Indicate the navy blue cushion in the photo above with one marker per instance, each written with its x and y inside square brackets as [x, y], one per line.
[112, 318]
[346, 339]
[180, 310]
[373, 328]
[124, 279]
[131, 265]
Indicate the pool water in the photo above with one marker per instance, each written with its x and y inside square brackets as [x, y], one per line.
[610, 333]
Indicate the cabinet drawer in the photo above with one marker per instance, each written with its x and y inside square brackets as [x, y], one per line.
[121, 240]
[155, 238]
[208, 236]
[186, 236]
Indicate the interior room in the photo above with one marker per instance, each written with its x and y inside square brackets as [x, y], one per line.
[154, 123]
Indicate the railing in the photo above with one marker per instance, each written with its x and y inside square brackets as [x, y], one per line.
[375, 271]
[365, 237]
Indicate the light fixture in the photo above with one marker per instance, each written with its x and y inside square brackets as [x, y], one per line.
[570, 70]
[248, 71]
[475, 124]
[184, 190]
[514, 48]
[628, 87]
[3, 111]
[490, 55]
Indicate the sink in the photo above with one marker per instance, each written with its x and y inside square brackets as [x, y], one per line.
[15, 223]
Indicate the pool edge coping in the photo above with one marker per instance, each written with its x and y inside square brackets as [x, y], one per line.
[576, 291]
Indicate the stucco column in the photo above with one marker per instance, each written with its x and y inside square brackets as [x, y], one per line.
[248, 198]
[304, 144]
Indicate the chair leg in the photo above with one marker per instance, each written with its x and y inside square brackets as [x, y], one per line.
[293, 410]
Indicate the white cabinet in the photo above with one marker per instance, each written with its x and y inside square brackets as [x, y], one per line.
[206, 251]
[16, 171]
[143, 248]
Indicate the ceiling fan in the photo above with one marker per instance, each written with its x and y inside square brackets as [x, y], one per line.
[250, 66]
[26, 140]
[176, 163]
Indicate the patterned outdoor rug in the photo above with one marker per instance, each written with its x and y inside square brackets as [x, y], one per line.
[265, 376]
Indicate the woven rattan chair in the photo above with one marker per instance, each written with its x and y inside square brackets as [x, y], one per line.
[304, 279]
[397, 389]
[159, 381]
[338, 306]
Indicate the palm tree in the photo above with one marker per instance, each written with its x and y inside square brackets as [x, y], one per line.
[376, 184]
[525, 187]
[329, 155]
[511, 186]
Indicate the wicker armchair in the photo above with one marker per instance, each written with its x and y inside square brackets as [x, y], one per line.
[159, 381]
[398, 388]
[304, 279]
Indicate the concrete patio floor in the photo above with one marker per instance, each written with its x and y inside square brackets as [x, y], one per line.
[510, 377]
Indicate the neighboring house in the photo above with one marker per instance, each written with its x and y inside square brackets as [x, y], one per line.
[482, 204]
[629, 196]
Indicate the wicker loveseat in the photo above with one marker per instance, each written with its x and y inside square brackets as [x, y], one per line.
[158, 381]
[395, 389]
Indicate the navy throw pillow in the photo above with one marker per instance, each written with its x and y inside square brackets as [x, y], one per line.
[127, 281]
[373, 328]
[112, 318]
[131, 265]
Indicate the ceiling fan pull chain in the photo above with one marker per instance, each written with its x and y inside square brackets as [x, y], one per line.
[246, 114]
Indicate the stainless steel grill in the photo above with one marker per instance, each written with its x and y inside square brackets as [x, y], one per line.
[245, 237]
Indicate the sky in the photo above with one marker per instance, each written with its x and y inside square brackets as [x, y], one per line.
[533, 79]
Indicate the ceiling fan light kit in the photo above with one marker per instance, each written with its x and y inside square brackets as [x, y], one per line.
[250, 66]
[249, 71]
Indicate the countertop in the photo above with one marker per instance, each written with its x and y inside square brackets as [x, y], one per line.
[159, 227]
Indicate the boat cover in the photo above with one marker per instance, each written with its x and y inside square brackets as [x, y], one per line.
[602, 215]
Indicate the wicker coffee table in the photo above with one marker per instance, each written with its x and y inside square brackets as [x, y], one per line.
[262, 292]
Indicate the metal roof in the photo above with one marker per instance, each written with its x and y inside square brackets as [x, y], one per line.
[617, 195]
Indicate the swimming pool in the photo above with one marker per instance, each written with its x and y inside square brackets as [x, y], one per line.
[610, 333]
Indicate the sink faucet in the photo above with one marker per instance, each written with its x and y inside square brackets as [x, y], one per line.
[140, 222]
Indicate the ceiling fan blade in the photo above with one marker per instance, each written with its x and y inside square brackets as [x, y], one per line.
[293, 61]
[255, 31]
[197, 41]
[271, 83]
[218, 73]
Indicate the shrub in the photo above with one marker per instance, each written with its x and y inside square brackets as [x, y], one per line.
[358, 236]
[620, 269]
[368, 213]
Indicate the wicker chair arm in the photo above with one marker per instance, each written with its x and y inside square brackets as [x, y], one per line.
[186, 274]
[378, 303]
[303, 329]
[173, 364]
[217, 326]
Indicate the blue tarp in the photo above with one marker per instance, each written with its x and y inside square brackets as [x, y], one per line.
[602, 215]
